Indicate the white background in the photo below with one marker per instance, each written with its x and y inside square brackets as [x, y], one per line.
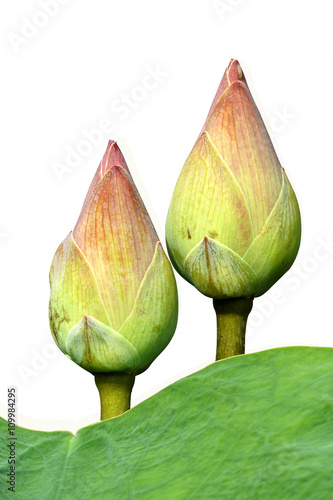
[65, 74]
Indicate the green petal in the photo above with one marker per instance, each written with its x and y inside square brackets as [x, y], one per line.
[239, 133]
[275, 248]
[220, 273]
[98, 348]
[74, 291]
[115, 233]
[207, 201]
[153, 320]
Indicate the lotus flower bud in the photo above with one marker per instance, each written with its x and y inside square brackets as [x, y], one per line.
[113, 304]
[233, 226]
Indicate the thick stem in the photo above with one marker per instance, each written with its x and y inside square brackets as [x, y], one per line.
[231, 318]
[115, 390]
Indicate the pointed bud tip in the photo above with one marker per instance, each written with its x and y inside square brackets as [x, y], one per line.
[113, 156]
[235, 72]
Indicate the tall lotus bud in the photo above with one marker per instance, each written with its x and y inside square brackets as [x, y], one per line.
[233, 226]
[113, 304]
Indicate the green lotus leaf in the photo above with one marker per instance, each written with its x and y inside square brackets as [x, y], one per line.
[150, 328]
[219, 272]
[257, 426]
[275, 248]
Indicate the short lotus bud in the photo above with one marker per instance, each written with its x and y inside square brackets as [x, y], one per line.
[233, 226]
[113, 304]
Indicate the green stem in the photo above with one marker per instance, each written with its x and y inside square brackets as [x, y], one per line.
[115, 393]
[231, 318]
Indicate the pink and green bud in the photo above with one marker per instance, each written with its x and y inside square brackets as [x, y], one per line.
[233, 226]
[113, 304]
